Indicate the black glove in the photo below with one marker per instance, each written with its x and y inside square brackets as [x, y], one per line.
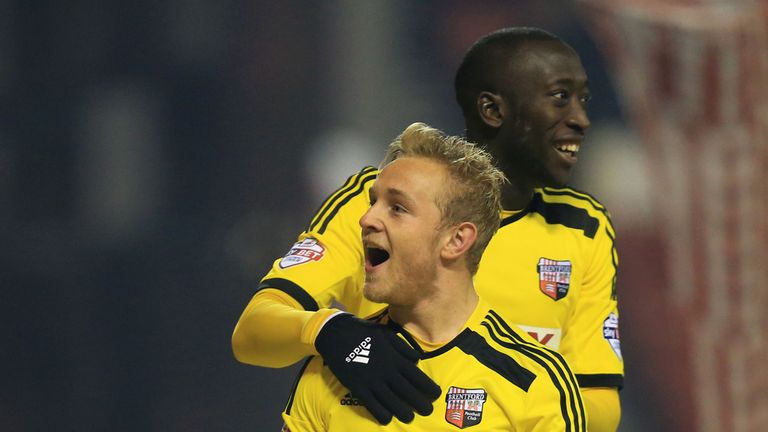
[377, 366]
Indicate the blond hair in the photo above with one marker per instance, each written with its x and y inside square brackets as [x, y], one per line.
[474, 196]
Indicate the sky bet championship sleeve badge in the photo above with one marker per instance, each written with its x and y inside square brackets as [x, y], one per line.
[464, 407]
[611, 333]
[302, 252]
[554, 277]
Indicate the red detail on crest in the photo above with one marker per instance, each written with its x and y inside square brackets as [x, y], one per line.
[554, 277]
[543, 339]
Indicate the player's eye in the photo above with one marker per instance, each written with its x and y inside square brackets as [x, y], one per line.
[561, 96]
[585, 99]
[397, 208]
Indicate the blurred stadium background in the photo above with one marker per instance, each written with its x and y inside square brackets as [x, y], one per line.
[156, 156]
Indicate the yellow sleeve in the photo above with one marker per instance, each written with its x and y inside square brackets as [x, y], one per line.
[590, 342]
[274, 331]
[604, 408]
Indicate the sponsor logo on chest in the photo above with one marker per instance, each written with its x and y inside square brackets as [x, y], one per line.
[550, 337]
[554, 277]
[307, 250]
[464, 407]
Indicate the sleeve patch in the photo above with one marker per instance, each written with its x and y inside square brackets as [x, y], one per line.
[307, 250]
[611, 333]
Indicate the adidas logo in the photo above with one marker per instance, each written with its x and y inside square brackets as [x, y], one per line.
[348, 399]
[361, 353]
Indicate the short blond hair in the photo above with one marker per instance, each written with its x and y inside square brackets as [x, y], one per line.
[474, 196]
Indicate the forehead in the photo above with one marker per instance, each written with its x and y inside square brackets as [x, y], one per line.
[416, 177]
[544, 63]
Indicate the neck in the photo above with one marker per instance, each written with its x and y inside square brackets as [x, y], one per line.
[516, 194]
[440, 315]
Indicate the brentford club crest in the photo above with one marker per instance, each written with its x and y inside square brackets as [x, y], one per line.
[554, 277]
[307, 250]
[464, 407]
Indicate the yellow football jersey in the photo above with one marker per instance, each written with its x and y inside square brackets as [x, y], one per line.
[550, 269]
[493, 377]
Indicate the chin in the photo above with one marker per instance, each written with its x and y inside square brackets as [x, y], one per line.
[373, 293]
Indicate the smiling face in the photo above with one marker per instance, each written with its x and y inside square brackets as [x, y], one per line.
[402, 232]
[545, 93]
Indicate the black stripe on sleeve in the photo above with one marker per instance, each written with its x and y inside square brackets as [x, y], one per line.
[358, 190]
[551, 361]
[474, 345]
[289, 404]
[565, 214]
[354, 182]
[601, 380]
[293, 290]
[614, 262]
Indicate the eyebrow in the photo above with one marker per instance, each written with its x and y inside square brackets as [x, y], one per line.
[392, 192]
[569, 81]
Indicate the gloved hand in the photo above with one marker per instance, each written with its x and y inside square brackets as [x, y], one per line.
[377, 366]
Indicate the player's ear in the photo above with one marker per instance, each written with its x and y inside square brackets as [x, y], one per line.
[490, 108]
[460, 239]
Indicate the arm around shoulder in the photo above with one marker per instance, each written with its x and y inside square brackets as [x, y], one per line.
[274, 331]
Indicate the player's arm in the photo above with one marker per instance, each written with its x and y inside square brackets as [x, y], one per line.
[276, 325]
[603, 406]
[591, 345]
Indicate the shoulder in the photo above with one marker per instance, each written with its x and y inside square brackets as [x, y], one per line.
[352, 194]
[575, 198]
[573, 208]
[497, 340]
[545, 373]
[513, 341]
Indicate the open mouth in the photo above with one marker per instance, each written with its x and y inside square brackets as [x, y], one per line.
[568, 149]
[375, 256]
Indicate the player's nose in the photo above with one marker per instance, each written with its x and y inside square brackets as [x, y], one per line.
[369, 221]
[578, 118]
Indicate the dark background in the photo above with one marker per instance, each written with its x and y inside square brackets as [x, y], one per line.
[155, 157]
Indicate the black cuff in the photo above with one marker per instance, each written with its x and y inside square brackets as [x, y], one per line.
[600, 380]
[296, 292]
